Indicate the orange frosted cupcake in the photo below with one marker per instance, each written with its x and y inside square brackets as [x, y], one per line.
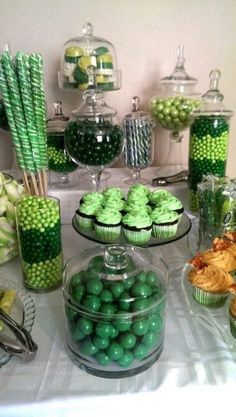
[221, 258]
[211, 285]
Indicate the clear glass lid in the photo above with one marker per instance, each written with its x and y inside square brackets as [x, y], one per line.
[179, 82]
[81, 52]
[212, 100]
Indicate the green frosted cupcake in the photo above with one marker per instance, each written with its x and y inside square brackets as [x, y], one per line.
[173, 204]
[138, 189]
[164, 223]
[107, 224]
[232, 317]
[137, 227]
[85, 215]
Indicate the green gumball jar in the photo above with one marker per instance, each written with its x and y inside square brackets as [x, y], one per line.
[209, 139]
[114, 330]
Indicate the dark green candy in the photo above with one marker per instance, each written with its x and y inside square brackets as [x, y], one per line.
[78, 293]
[92, 303]
[149, 339]
[126, 360]
[94, 286]
[85, 325]
[88, 347]
[127, 340]
[117, 289]
[100, 343]
[104, 330]
[103, 359]
[115, 351]
[140, 289]
[106, 296]
[140, 327]
[140, 351]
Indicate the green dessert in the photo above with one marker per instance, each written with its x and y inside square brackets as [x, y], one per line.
[173, 204]
[92, 197]
[157, 196]
[136, 206]
[85, 215]
[165, 223]
[107, 224]
[137, 227]
[114, 203]
[112, 192]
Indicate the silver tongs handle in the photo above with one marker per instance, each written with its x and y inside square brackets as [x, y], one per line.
[181, 176]
[24, 347]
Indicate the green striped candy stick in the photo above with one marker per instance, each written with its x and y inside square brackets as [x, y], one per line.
[17, 108]
[10, 117]
[22, 66]
[36, 76]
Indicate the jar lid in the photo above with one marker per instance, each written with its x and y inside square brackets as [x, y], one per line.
[136, 113]
[212, 100]
[179, 75]
[59, 122]
[124, 276]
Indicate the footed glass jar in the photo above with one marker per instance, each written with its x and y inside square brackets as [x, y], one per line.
[173, 111]
[114, 305]
[94, 140]
[209, 139]
[58, 159]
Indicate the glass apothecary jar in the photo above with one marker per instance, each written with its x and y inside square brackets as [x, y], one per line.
[173, 111]
[114, 305]
[209, 139]
[58, 159]
[81, 52]
[138, 141]
[93, 137]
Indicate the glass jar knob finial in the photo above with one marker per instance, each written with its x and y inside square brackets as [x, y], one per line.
[87, 29]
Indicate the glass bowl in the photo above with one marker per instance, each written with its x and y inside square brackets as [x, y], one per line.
[114, 305]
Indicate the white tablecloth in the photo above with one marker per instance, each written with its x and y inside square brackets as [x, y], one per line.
[196, 371]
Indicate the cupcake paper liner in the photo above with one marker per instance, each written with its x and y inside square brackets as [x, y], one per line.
[107, 232]
[85, 223]
[209, 299]
[232, 325]
[164, 231]
[137, 237]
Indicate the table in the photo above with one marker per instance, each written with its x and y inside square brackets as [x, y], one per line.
[195, 367]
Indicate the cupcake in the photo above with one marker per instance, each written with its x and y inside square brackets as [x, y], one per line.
[136, 206]
[211, 285]
[138, 189]
[157, 196]
[137, 227]
[164, 223]
[232, 317]
[107, 224]
[137, 197]
[85, 215]
[173, 204]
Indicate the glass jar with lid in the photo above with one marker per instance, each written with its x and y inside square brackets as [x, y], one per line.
[81, 52]
[114, 305]
[173, 111]
[94, 139]
[58, 159]
[209, 139]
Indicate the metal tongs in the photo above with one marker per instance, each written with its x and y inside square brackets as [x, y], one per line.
[181, 176]
[24, 347]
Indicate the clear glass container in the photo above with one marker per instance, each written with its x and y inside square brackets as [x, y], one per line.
[81, 52]
[58, 159]
[94, 140]
[139, 141]
[39, 234]
[173, 111]
[209, 139]
[114, 305]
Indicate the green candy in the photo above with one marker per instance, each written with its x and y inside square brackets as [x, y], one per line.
[117, 289]
[85, 325]
[140, 351]
[94, 286]
[92, 303]
[104, 330]
[115, 351]
[127, 340]
[140, 327]
[100, 343]
[103, 359]
[88, 347]
[126, 360]
[140, 289]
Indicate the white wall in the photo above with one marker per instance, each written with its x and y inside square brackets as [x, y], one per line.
[145, 33]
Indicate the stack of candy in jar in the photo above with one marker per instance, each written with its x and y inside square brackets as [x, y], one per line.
[22, 89]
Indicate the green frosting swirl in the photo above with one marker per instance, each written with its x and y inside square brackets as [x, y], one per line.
[89, 208]
[172, 203]
[137, 219]
[136, 205]
[112, 192]
[163, 216]
[140, 198]
[108, 216]
[157, 196]
[114, 202]
[93, 196]
[138, 189]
